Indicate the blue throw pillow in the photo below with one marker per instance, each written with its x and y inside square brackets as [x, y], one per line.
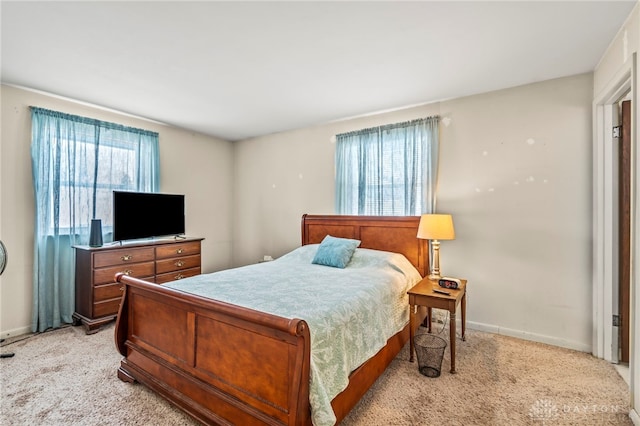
[335, 252]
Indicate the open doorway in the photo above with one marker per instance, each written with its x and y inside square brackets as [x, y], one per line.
[622, 227]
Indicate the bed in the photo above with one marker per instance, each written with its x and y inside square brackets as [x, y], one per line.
[223, 363]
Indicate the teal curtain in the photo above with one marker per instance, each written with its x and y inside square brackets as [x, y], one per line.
[388, 170]
[77, 162]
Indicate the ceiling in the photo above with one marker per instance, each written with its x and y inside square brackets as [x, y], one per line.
[237, 70]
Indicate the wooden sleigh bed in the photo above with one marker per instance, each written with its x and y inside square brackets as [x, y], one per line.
[225, 364]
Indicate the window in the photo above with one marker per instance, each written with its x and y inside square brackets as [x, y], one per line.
[388, 170]
[77, 163]
[80, 187]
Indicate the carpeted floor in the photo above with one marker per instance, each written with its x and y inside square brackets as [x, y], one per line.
[65, 377]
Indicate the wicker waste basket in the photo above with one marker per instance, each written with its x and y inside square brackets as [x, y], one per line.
[430, 350]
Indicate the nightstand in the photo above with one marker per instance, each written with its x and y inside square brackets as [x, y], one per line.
[422, 294]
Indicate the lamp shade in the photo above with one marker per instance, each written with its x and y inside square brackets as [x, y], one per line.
[436, 227]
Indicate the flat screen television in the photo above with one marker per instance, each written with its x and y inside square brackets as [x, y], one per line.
[139, 215]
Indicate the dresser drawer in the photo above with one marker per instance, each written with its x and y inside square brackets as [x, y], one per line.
[177, 263]
[122, 257]
[107, 307]
[138, 270]
[107, 291]
[178, 249]
[177, 275]
[111, 291]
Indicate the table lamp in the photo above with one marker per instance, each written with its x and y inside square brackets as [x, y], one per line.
[436, 227]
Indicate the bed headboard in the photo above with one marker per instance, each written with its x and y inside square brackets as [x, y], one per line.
[389, 233]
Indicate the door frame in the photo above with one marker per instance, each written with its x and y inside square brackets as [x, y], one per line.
[604, 344]
[626, 79]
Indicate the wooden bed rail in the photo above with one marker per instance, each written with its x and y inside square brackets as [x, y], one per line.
[200, 353]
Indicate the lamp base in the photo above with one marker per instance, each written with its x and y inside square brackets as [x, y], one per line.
[434, 277]
[435, 268]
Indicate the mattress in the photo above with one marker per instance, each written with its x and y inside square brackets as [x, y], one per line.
[351, 312]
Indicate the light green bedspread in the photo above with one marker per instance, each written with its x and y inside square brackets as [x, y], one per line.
[351, 312]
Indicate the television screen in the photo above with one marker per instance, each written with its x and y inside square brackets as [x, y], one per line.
[145, 215]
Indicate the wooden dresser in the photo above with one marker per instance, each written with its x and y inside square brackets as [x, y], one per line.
[160, 261]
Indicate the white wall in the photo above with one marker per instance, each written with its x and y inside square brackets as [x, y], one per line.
[525, 247]
[516, 174]
[619, 52]
[199, 166]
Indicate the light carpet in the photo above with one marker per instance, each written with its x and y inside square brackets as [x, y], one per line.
[65, 377]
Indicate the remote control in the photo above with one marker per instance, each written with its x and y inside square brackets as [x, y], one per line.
[441, 292]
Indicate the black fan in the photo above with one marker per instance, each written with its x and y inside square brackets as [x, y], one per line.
[3, 264]
[3, 257]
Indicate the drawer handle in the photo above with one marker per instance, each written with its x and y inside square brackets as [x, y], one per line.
[121, 288]
[179, 277]
[179, 263]
[179, 251]
[126, 257]
[128, 272]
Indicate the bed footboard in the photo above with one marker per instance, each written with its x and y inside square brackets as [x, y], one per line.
[220, 363]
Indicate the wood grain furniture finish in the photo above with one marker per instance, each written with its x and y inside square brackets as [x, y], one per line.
[177, 261]
[225, 364]
[160, 261]
[422, 294]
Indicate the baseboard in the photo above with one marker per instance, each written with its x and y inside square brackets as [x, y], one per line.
[525, 335]
[633, 415]
[442, 316]
[15, 332]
